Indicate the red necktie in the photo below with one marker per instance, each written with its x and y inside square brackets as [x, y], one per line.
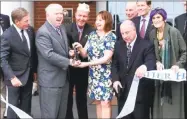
[142, 30]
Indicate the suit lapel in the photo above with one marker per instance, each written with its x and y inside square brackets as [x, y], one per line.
[18, 39]
[135, 51]
[84, 35]
[123, 52]
[56, 35]
[75, 34]
[64, 38]
[149, 28]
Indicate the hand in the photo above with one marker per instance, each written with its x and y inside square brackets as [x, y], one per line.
[71, 53]
[77, 45]
[117, 84]
[35, 77]
[175, 68]
[74, 63]
[159, 66]
[83, 64]
[140, 72]
[16, 82]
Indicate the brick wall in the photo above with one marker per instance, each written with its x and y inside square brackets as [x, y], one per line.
[39, 10]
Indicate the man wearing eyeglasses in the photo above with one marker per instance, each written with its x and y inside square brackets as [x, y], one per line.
[181, 25]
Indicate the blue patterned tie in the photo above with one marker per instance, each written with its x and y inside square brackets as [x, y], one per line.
[128, 54]
[59, 32]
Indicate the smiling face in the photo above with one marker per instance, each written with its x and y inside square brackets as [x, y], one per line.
[131, 10]
[99, 23]
[158, 20]
[81, 18]
[55, 17]
[143, 8]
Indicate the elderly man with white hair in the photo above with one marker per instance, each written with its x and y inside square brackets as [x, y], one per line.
[78, 32]
[53, 63]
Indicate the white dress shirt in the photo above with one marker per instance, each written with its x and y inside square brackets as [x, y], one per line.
[25, 33]
[132, 43]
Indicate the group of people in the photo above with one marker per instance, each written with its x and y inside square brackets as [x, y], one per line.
[94, 61]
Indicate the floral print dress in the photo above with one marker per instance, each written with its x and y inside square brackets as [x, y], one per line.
[99, 82]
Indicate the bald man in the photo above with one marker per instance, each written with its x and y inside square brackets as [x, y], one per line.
[131, 10]
[52, 50]
[132, 56]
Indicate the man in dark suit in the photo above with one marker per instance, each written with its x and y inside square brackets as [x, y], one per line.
[53, 63]
[4, 21]
[142, 22]
[181, 25]
[18, 61]
[133, 56]
[78, 32]
[4, 24]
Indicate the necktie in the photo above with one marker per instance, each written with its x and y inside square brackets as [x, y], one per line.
[24, 39]
[142, 30]
[58, 31]
[80, 35]
[128, 54]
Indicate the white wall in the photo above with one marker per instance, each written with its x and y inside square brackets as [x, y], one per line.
[100, 6]
[7, 7]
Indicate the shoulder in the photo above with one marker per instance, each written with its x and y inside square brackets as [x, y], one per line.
[180, 16]
[135, 19]
[89, 27]
[4, 16]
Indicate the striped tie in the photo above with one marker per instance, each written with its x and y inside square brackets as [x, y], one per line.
[128, 54]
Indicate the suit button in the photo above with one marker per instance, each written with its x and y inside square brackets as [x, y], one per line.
[126, 74]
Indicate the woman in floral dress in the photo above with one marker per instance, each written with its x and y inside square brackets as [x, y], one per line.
[99, 50]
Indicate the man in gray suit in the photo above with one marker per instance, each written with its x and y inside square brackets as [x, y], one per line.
[18, 61]
[53, 63]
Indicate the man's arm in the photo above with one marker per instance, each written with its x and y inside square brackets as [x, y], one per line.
[4, 56]
[149, 57]
[44, 46]
[115, 65]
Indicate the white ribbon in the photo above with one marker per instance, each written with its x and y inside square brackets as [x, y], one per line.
[21, 114]
[165, 75]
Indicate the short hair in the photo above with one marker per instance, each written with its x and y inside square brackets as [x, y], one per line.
[18, 14]
[105, 15]
[148, 2]
[51, 7]
[160, 11]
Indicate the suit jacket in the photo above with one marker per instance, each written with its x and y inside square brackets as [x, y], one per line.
[4, 21]
[178, 46]
[16, 59]
[136, 21]
[53, 58]
[180, 22]
[73, 36]
[142, 53]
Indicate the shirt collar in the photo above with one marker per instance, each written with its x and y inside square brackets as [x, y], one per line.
[132, 43]
[146, 18]
[79, 30]
[17, 28]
